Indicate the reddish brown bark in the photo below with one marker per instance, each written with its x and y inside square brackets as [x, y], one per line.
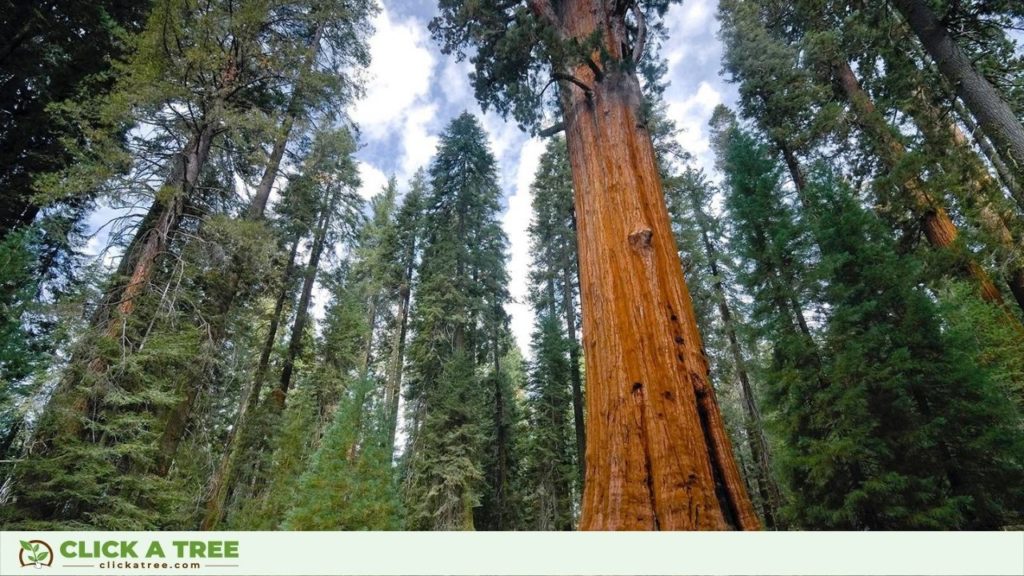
[657, 449]
[938, 228]
[947, 135]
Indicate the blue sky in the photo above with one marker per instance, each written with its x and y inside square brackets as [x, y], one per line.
[413, 91]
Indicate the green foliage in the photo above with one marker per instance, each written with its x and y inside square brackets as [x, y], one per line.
[458, 324]
[516, 51]
[345, 489]
[47, 64]
[550, 464]
[912, 434]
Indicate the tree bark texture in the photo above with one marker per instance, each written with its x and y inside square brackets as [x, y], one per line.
[658, 456]
[936, 224]
[986, 103]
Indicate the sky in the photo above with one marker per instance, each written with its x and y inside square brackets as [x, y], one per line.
[414, 90]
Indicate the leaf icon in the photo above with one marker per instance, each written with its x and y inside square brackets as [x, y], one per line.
[35, 547]
[27, 547]
[42, 556]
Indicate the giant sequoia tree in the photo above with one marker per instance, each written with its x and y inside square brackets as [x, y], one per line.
[657, 446]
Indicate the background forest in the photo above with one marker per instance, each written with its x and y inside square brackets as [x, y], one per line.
[217, 313]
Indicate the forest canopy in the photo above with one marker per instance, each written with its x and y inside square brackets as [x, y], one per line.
[238, 292]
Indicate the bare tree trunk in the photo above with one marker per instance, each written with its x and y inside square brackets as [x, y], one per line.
[658, 455]
[946, 135]
[353, 449]
[938, 228]
[394, 387]
[771, 496]
[502, 440]
[994, 114]
[302, 310]
[1009, 181]
[223, 478]
[569, 305]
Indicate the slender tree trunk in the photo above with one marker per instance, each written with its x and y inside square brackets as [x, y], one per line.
[302, 310]
[569, 309]
[1009, 181]
[502, 440]
[178, 419]
[946, 135]
[353, 448]
[935, 222]
[658, 455]
[559, 516]
[994, 114]
[258, 205]
[253, 442]
[394, 389]
[767, 486]
[223, 479]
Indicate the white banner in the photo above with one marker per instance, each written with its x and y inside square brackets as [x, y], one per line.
[511, 554]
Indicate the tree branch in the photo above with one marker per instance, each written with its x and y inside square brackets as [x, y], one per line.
[552, 130]
[598, 73]
[574, 80]
[641, 33]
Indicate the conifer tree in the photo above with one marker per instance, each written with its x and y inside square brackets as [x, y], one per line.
[326, 190]
[695, 192]
[642, 344]
[899, 449]
[553, 236]
[772, 249]
[458, 307]
[402, 248]
[53, 54]
[996, 117]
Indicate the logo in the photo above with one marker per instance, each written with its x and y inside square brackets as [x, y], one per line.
[35, 553]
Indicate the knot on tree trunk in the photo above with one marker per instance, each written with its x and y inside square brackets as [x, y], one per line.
[640, 239]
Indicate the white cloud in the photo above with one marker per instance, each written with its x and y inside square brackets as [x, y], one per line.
[396, 105]
[373, 180]
[419, 144]
[690, 25]
[400, 72]
[691, 116]
[515, 223]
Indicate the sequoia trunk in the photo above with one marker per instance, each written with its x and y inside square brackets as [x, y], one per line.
[658, 456]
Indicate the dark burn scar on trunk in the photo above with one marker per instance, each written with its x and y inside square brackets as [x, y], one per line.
[640, 240]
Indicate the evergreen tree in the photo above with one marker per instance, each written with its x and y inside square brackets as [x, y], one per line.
[642, 340]
[457, 322]
[402, 249]
[899, 441]
[53, 53]
[326, 190]
[689, 197]
[553, 241]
